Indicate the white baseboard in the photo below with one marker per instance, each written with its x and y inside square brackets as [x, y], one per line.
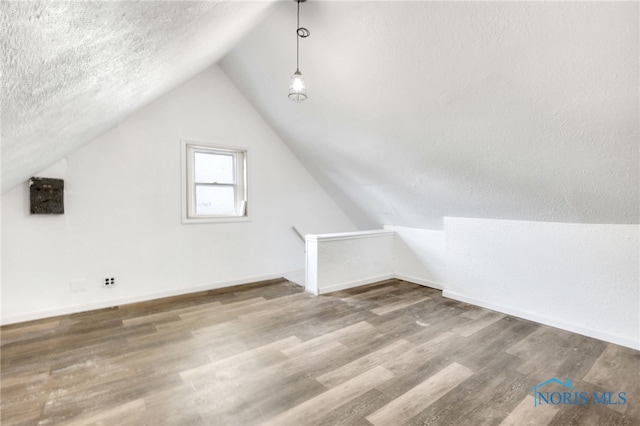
[574, 328]
[623, 341]
[296, 277]
[408, 278]
[420, 281]
[357, 283]
[74, 309]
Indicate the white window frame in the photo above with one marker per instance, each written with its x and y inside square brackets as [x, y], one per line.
[189, 148]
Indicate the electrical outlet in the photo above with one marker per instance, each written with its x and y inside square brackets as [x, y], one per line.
[109, 282]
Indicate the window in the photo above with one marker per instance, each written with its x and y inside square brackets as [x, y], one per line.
[214, 183]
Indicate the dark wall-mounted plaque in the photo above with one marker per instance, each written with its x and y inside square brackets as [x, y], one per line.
[47, 195]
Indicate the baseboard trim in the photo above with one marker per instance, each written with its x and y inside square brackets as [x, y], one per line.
[622, 341]
[357, 283]
[296, 277]
[74, 309]
[420, 281]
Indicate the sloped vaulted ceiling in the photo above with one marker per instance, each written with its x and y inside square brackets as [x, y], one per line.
[72, 70]
[419, 110]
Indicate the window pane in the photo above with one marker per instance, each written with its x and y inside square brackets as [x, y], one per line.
[213, 168]
[215, 200]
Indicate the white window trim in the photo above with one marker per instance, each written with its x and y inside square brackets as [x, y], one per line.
[187, 187]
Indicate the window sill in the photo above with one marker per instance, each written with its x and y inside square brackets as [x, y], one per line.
[226, 219]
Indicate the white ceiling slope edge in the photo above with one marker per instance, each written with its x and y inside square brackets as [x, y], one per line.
[420, 110]
[72, 70]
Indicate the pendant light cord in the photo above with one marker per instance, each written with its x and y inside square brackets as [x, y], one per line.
[300, 33]
[298, 39]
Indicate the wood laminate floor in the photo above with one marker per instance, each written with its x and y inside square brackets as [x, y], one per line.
[392, 353]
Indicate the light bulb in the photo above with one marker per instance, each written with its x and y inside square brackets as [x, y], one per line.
[297, 89]
[298, 83]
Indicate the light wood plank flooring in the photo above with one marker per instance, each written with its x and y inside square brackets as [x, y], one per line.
[391, 353]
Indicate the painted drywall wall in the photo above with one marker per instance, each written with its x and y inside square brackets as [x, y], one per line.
[123, 219]
[579, 277]
[419, 256]
[339, 261]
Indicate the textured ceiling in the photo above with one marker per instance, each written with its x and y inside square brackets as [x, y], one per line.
[416, 110]
[72, 70]
[419, 110]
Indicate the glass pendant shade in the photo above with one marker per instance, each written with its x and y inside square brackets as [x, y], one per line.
[297, 89]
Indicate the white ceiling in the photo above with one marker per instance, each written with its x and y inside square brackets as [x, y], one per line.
[72, 70]
[416, 110]
[419, 110]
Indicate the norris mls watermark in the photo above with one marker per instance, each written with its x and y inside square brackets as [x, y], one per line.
[574, 397]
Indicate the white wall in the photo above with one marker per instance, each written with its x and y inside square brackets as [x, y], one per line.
[345, 260]
[122, 212]
[419, 256]
[579, 277]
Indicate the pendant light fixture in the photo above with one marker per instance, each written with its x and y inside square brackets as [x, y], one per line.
[297, 89]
